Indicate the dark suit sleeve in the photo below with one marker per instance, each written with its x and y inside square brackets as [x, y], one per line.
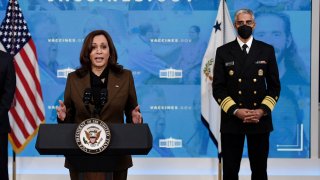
[219, 85]
[132, 101]
[9, 86]
[273, 84]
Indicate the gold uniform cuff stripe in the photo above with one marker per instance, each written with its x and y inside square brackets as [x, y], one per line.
[272, 100]
[227, 103]
[269, 101]
[227, 99]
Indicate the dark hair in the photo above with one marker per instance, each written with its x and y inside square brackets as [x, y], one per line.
[292, 49]
[87, 48]
[284, 17]
[291, 52]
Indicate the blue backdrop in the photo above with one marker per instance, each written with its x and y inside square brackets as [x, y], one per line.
[170, 36]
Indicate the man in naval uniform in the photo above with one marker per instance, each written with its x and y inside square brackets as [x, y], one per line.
[246, 85]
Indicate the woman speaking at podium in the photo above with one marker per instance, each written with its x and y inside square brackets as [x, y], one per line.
[100, 89]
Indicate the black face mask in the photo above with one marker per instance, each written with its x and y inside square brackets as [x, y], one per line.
[245, 31]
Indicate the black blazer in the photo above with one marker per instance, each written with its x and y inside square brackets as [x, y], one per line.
[245, 82]
[7, 89]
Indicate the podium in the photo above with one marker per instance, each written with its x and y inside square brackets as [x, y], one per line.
[126, 139]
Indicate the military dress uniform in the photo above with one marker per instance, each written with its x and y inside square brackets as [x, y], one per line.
[245, 81]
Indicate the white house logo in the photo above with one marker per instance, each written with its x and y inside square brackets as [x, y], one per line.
[170, 73]
[93, 136]
[170, 143]
[63, 73]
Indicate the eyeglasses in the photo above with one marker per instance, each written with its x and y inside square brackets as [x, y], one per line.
[241, 23]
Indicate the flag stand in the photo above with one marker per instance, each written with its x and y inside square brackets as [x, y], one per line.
[220, 170]
[13, 165]
[220, 166]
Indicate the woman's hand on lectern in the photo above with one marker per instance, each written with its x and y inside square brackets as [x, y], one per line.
[61, 111]
[136, 115]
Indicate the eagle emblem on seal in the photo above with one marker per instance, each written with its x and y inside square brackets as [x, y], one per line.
[93, 135]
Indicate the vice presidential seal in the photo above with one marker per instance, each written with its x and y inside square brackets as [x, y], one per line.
[93, 136]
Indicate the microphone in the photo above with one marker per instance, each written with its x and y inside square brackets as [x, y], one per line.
[103, 96]
[87, 96]
[87, 99]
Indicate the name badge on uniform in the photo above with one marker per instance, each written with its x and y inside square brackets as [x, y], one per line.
[229, 63]
[260, 72]
[261, 62]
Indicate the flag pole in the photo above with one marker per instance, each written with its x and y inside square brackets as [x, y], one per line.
[13, 165]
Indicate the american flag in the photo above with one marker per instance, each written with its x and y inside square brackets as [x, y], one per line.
[27, 112]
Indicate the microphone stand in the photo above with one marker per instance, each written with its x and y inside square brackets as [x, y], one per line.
[102, 100]
[88, 99]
